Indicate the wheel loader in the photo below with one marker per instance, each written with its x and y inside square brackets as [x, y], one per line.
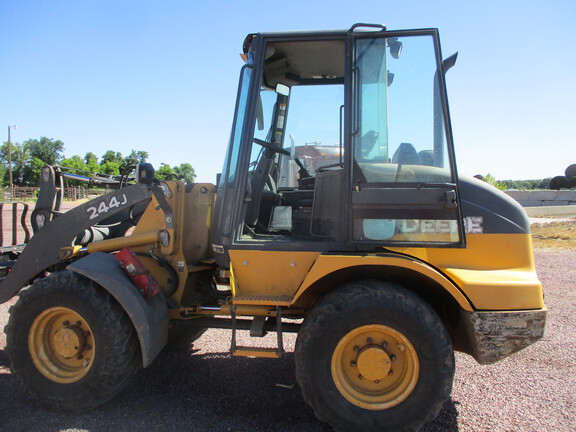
[339, 214]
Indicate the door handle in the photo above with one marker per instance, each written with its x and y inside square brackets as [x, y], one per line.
[451, 199]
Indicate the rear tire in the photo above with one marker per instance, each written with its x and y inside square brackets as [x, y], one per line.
[373, 356]
[70, 343]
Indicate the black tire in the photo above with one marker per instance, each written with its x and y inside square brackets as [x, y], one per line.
[392, 328]
[70, 343]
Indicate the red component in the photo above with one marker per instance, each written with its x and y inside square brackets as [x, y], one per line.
[137, 273]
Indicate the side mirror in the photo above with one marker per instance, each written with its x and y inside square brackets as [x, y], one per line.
[449, 62]
[395, 47]
[282, 89]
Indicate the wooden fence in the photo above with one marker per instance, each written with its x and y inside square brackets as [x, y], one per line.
[72, 193]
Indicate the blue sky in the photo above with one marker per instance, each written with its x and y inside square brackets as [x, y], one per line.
[161, 76]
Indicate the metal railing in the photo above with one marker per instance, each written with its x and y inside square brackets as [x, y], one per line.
[19, 210]
[71, 193]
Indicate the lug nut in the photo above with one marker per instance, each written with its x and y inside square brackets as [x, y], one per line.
[369, 340]
[356, 348]
[401, 347]
[392, 357]
[391, 372]
[353, 363]
[360, 377]
[384, 344]
[376, 381]
[66, 323]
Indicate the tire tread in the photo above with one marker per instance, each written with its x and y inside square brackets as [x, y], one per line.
[363, 295]
[120, 354]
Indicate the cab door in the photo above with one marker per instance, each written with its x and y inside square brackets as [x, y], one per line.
[404, 189]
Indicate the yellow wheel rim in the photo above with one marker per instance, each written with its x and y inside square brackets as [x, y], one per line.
[375, 367]
[61, 344]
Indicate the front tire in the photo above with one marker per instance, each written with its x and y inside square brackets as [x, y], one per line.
[373, 356]
[70, 343]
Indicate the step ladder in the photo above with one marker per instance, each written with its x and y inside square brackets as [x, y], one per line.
[257, 330]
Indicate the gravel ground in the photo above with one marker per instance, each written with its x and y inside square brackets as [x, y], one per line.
[534, 390]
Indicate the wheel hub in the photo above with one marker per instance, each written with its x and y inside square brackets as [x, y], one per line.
[61, 345]
[373, 363]
[375, 367]
[69, 341]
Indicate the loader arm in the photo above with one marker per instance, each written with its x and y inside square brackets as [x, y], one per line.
[42, 250]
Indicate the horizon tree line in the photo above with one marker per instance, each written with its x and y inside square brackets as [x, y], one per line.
[31, 155]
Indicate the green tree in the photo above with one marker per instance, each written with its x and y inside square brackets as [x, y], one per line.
[112, 156]
[20, 158]
[28, 159]
[89, 157]
[91, 162]
[185, 172]
[75, 162]
[109, 167]
[3, 175]
[31, 172]
[75, 165]
[48, 150]
[489, 178]
[164, 172]
[135, 157]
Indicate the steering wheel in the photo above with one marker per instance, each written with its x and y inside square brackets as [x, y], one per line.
[272, 147]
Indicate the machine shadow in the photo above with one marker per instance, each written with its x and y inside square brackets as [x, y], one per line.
[197, 392]
[446, 421]
[4, 362]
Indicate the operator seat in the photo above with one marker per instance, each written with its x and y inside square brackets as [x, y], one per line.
[426, 157]
[405, 155]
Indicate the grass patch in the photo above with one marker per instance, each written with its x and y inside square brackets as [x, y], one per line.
[554, 235]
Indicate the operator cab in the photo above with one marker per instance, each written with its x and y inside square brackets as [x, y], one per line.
[341, 141]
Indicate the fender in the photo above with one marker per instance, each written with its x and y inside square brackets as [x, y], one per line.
[149, 317]
[327, 264]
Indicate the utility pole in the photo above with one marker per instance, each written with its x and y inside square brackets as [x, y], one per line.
[10, 162]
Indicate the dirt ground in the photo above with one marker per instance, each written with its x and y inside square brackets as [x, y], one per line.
[206, 390]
